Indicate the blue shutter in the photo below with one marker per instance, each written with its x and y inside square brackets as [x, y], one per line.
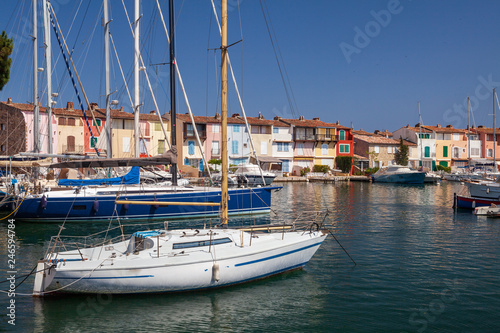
[236, 128]
[285, 166]
[191, 147]
[235, 147]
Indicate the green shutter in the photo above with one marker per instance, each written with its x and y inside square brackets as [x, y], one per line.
[427, 152]
[445, 151]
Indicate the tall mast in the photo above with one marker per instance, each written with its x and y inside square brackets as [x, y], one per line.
[173, 114]
[494, 136]
[48, 59]
[225, 197]
[420, 136]
[136, 80]
[468, 132]
[109, 152]
[36, 110]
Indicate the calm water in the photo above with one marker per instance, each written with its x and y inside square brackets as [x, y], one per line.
[420, 268]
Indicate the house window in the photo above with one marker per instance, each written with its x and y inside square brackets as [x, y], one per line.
[456, 137]
[142, 147]
[255, 129]
[456, 152]
[70, 143]
[71, 122]
[189, 130]
[445, 151]
[282, 146]
[300, 149]
[234, 146]
[474, 151]
[324, 149]
[93, 142]
[285, 146]
[344, 148]
[263, 147]
[342, 135]
[424, 136]
[161, 146]
[2, 127]
[61, 121]
[285, 166]
[216, 128]
[215, 148]
[489, 152]
[391, 150]
[126, 144]
[98, 121]
[236, 128]
[376, 149]
[158, 126]
[276, 130]
[427, 151]
[191, 147]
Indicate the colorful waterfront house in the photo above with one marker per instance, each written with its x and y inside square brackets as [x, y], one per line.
[318, 143]
[262, 137]
[380, 151]
[451, 143]
[345, 144]
[17, 132]
[282, 147]
[426, 145]
[189, 157]
[238, 141]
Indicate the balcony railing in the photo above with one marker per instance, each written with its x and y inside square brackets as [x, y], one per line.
[73, 149]
[305, 137]
[326, 137]
[215, 152]
[202, 134]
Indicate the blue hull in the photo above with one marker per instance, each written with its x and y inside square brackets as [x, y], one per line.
[411, 178]
[84, 209]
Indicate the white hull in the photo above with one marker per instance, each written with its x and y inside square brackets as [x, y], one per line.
[177, 270]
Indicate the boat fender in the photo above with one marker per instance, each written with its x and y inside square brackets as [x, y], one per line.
[125, 206]
[488, 190]
[215, 272]
[156, 206]
[95, 206]
[43, 202]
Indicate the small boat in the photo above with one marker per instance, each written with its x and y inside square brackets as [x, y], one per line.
[254, 174]
[432, 178]
[468, 202]
[484, 189]
[398, 174]
[490, 211]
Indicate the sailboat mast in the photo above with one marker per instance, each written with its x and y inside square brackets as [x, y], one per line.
[173, 113]
[468, 132]
[420, 135]
[48, 60]
[107, 83]
[136, 80]
[36, 110]
[225, 196]
[494, 136]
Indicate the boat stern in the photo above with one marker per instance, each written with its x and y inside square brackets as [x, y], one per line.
[45, 273]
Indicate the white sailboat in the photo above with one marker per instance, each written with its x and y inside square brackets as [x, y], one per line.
[165, 260]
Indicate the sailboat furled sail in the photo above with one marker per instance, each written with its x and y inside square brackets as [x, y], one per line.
[164, 260]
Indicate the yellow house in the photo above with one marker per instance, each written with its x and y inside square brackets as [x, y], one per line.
[450, 144]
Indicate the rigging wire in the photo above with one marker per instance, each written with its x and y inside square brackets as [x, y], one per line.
[288, 88]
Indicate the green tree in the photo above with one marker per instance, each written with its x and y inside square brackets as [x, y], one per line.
[6, 47]
[401, 155]
[344, 163]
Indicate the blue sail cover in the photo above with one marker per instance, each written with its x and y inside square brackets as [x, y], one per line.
[129, 179]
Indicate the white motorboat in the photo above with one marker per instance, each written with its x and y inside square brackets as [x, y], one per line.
[254, 174]
[484, 189]
[398, 174]
[491, 211]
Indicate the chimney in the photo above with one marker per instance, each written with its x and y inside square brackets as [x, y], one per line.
[438, 126]
[152, 112]
[301, 118]
[69, 106]
[316, 118]
[235, 115]
[277, 118]
[9, 100]
[449, 126]
[217, 115]
[93, 106]
[260, 116]
[338, 122]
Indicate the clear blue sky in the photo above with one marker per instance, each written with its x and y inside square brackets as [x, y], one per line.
[365, 62]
